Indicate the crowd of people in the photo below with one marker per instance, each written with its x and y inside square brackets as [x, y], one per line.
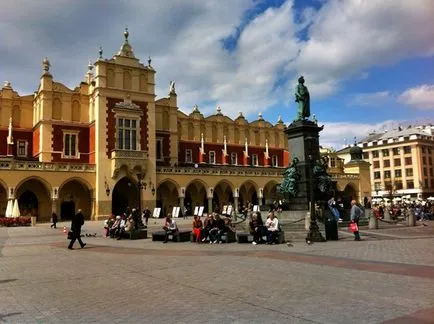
[396, 210]
[116, 227]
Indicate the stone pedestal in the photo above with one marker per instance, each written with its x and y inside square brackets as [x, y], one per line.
[411, 217]
[373, 221]
[303, 143]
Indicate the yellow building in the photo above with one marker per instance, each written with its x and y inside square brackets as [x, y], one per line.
[109, 143]
[401, 161]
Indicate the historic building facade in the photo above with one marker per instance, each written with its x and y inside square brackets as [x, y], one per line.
[108, 144]
[401, 161]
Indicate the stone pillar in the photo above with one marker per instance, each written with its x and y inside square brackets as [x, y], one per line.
[260, 196]
[209, 205]
[387, 213]
[235, 207]
[411, 217]
[181, 205]
[54, 206]
[373, 221]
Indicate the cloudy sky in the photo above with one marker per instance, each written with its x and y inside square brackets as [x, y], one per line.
[368, 64]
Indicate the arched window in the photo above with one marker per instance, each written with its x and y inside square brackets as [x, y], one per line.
[57, 109]
[76, 111]
[127, 80]
[16, 116]
[110, 78]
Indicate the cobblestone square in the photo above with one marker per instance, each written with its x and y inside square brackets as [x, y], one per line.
[141, 281]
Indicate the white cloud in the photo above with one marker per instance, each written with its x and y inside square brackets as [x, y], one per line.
[421, 97]
[373, 99]
[184, 38]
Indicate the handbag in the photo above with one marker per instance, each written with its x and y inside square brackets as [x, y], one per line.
[70, 235]
[354, 228]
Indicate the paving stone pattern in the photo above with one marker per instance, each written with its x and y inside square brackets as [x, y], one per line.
[150, 282]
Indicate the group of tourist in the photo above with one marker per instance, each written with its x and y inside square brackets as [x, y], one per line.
[397, 210]
[116, 227]
[211, 229]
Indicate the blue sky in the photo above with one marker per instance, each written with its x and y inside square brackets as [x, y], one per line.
[368, 64]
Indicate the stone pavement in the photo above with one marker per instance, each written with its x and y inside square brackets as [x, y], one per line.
[141, 281]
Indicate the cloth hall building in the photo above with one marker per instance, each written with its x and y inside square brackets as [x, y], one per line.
[109, 143]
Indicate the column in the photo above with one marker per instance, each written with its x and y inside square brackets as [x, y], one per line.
[260, 196]
[209, 205]
[236, 193]
[181, 205]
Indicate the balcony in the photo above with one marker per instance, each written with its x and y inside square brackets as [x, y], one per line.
[224, 171]
[128, 159]
[17, 165]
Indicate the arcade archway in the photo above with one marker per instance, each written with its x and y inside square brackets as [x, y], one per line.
[3, 200]
[248, 194]
[74, 195]
[270, 193]
[125, 194]
[167, 197]
[222, 195]
[195, 195]
[34, 199]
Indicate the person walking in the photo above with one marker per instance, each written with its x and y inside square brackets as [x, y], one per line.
[53, 220]
[356, 213]
[76, 224]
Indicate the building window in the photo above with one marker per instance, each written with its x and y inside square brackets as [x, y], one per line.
[408, 172]
[426, 183]
[332, 162]
[431, 172]
[423, 159]
[410, 184]
[407, 149]
[408, 161]
[432, 183]
[70, 145]
[398, 185]
[395, 151]
[22, 148]
[423, 149]
[234, 158]
[365, 155]
[188, 156]
[377, 186]
[397, 162]
[398, 173]
[377, 175]
[374, 154]
[386, 174]
[385, 152]
[211, 157]
[376, 164]
[274, 161]
[388, 186]
[387, 163]
[430, 160]
[127, 134]
[159, 150]
[254, 159]
[425, 173]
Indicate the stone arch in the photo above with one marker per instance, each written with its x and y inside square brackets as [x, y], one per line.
[167, 196]
[125, 194]
[76, 111]
[248, 193]
[223, 194]
[74, 194]
[127, 80]
[196, 194]
[270, 192]
[110, 78]
[16, 116]
[57, 109]
[34, 198]
[350, 191]
[3, 198]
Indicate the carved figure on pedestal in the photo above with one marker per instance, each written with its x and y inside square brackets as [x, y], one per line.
[292, 176]
[302, 97]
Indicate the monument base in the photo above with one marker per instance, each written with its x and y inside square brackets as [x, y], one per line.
[314, 234]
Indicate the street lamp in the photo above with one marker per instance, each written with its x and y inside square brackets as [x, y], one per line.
[107, 188]
[140, 186]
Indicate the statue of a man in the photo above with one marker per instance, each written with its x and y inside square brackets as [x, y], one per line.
[303, 99]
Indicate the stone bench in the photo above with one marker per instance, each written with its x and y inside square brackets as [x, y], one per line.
[180, 236]
[228, 237]
[137, 234]
[246, 237]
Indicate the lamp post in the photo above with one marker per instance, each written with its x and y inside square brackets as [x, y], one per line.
[140, 186]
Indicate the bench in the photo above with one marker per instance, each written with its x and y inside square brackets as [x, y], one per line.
[180, 236]
[245, 237]
[136, 234]
[228, 237]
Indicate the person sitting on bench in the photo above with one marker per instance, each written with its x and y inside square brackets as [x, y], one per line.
[121, 228]
[209, 224]
[114, 228]
[272, 225]
[197, 228]
[256, 227]
[169, 227]
[216, 230]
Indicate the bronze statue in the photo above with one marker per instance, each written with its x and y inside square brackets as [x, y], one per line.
[303, 99]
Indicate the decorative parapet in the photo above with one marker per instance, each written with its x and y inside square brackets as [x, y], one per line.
[224, 171]
[14, 165]
[129, 159]
[344, 176]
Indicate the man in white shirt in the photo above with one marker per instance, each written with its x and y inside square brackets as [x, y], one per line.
[272, 225]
